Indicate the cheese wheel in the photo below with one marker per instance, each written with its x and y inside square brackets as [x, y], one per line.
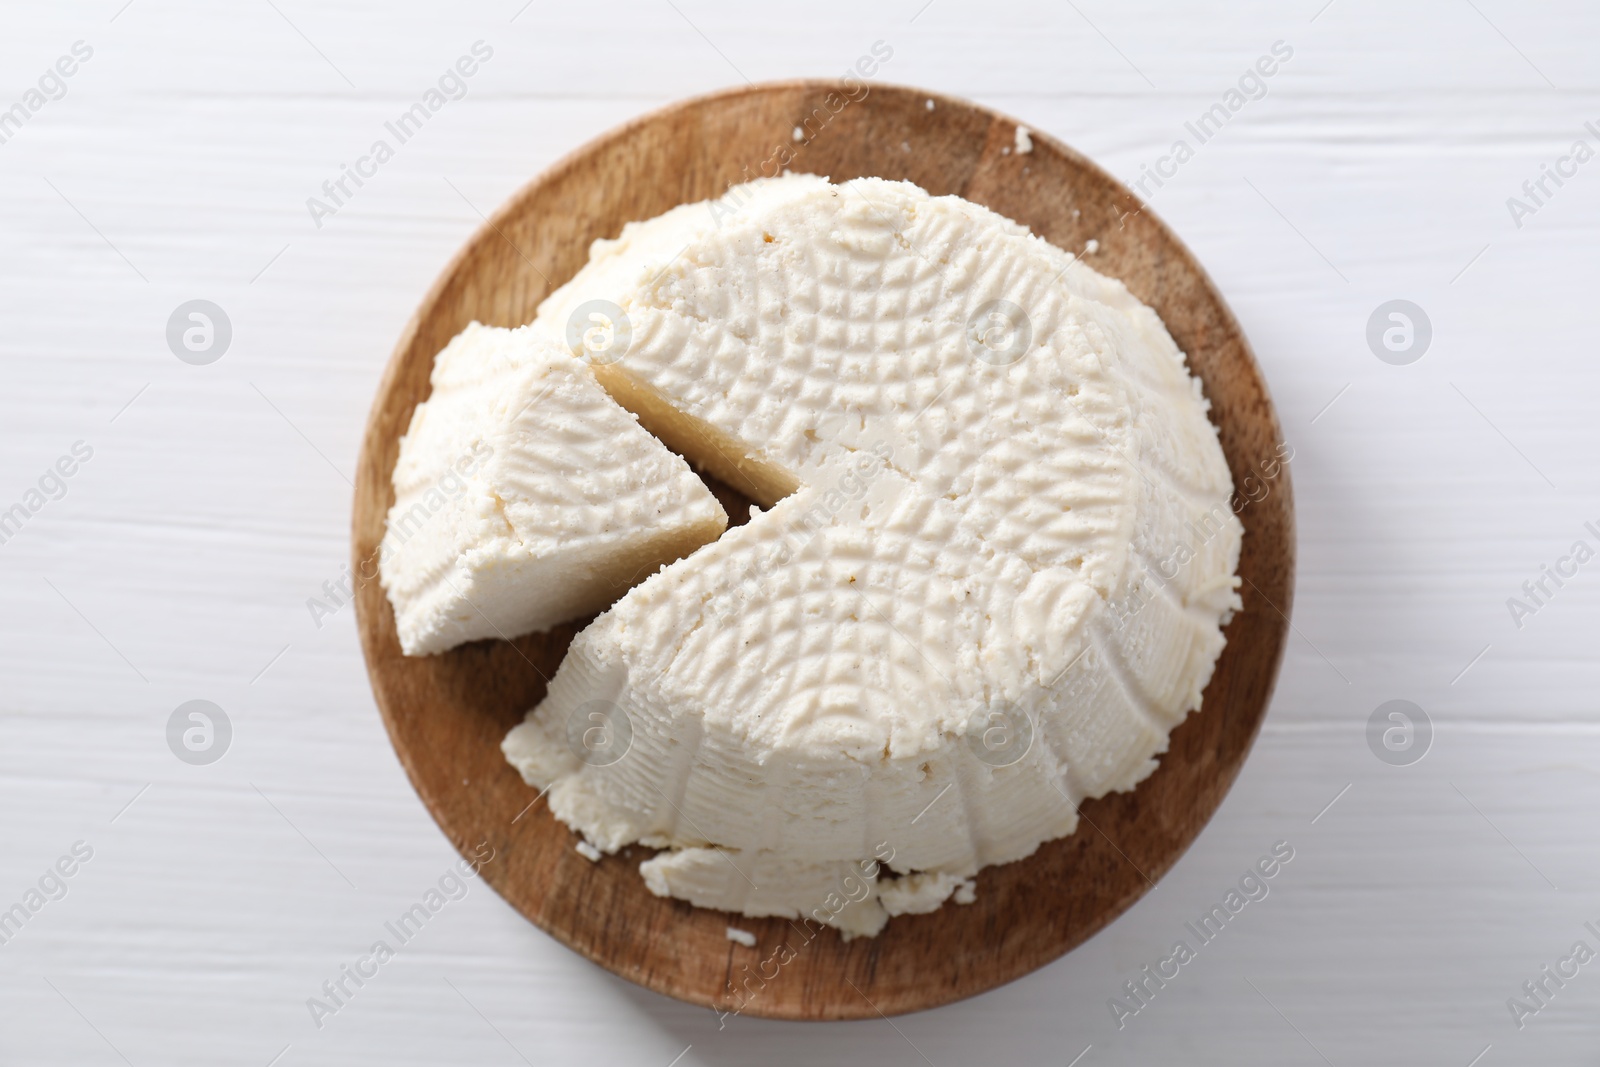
[997, 559]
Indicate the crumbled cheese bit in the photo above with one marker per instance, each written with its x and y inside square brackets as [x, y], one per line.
[918, 894]
[1024, 140]
[930, 105]
[588, 851]
[966, 892]
[799, 134]
[1091, 246]
[744, 937]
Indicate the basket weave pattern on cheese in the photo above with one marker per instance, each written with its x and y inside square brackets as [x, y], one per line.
[990, 579]
[560, 500]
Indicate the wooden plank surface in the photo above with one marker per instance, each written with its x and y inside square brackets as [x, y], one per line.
[177, 566]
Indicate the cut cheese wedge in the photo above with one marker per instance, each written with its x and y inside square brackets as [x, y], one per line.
[999, 553]
[525, 497]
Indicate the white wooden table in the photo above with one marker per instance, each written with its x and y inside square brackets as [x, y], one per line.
[1375, 165]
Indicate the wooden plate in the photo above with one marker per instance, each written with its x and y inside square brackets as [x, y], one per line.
[446, 714]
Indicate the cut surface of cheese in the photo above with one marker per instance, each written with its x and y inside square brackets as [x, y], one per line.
[997, 556]
[525, 497]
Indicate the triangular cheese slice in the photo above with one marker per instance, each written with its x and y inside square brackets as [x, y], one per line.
[525, 497]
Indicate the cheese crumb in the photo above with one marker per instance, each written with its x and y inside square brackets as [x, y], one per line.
[587, 851]
[930, 105]
[918, 894]
[1024, 140]
[744, 937]
[799, 134]
[1091, 246]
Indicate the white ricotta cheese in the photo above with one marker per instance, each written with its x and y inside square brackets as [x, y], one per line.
[525, 497]
[918, 894]
[992, 577]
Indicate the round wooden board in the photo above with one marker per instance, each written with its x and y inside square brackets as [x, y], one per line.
[447, 714]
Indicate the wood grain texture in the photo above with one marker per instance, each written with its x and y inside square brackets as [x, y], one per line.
[447, 714]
